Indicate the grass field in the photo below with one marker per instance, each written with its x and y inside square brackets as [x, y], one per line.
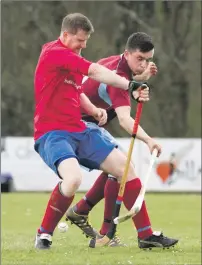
[177, 215]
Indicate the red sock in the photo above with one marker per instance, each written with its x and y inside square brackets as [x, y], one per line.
[93, 196]
[56, 208]
[110, 193]
[141, 220]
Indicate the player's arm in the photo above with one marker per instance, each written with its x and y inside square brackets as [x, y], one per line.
[150, 71]
[71, 61]
[127, 123]
[104, 75]
[98, 113]
[87, 105]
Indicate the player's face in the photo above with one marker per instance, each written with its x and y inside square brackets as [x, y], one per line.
[76, 42]
[138, 61]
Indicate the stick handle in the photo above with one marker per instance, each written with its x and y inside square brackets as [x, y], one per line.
[135, 128]
[137, 118]
[119, 200]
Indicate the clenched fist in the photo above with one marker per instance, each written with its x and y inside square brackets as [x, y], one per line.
[101, 116]
[150, 71]
[141, 94]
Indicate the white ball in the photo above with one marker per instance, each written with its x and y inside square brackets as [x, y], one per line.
[63, 227]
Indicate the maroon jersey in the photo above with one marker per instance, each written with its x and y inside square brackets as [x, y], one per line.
[105, 96]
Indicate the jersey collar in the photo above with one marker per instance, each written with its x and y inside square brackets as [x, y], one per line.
[123, 67]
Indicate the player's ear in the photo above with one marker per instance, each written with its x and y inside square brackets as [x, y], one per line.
[65, 34]
[126, 53]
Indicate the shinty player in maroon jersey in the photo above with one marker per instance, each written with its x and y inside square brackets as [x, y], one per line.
[135, 62]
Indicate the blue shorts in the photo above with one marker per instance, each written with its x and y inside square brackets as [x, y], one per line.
[89, 147]
[105, 135]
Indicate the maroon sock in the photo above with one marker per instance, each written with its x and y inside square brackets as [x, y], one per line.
[110, 193]
[93, 196]
[141, 220]
[56, 208]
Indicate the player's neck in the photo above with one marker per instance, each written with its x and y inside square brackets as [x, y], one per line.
[62, 40]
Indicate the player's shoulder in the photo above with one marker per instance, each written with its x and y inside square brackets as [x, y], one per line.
[110, 62]
[54, 45]
[55, 49]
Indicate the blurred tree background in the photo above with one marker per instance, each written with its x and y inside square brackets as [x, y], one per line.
[175, 106]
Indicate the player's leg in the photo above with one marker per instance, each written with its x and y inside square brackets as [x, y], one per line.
[93, 196]
[114, 164]
[92, 151]
[110, 195]
[78, 213]
[132, 189]
[94, 155]
[146, 237]
[57, 151]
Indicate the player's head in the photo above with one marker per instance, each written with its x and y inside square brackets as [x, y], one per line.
[139, 51]
[75, 31]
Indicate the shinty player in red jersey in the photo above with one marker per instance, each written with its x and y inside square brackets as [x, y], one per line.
[60, 134]
[135, 63]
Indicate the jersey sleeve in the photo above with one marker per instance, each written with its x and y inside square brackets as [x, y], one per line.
[65, 59]
[118, 96]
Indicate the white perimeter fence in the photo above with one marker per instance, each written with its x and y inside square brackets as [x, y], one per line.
[183, 175]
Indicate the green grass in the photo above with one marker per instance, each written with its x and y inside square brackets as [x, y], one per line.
[177, 215]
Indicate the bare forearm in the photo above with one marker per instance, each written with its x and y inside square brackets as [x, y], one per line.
[128, 123]
[87, 105]
[104, 75]
[139, 78]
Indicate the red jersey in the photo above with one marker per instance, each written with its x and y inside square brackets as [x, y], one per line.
[105, 96]
[57, 83]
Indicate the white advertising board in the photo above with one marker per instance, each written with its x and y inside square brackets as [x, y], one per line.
[177, 169]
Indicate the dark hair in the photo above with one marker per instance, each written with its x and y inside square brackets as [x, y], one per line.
[141, 41]
[76, 21]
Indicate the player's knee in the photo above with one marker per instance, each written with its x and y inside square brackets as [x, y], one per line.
[74, 182]
[70, 184]
[69, 171]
